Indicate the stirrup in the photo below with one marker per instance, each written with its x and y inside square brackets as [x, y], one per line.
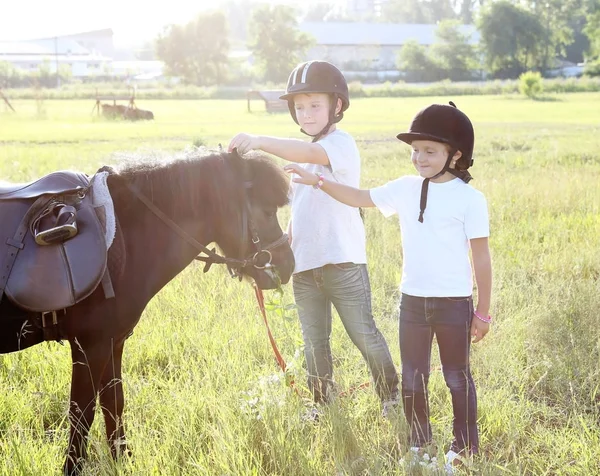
[59, 233]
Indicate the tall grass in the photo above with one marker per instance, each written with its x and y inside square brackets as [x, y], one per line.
[203, 392]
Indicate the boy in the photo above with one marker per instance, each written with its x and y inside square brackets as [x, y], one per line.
[327, 237]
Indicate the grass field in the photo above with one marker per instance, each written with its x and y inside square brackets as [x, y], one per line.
[203, 393]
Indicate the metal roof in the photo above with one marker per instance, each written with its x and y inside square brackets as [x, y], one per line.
[51, 46]
[382, 34]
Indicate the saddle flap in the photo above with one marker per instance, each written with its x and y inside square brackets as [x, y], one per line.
[57, 276]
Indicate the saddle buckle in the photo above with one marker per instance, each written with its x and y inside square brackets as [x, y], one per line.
[54, 317]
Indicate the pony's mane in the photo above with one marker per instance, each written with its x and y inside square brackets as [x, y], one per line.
[184, 184]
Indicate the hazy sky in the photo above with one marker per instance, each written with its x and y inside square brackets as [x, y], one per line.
[131, 20]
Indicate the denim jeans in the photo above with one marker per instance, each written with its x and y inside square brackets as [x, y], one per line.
[346, 286]
[449, 319]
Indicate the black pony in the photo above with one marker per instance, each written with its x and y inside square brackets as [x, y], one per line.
[165, 209]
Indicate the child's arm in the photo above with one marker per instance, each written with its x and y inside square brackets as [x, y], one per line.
[482, 265]
[292, 150]
[342, 193]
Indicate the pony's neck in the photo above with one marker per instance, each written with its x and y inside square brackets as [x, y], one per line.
[156, 254]
[194, 200]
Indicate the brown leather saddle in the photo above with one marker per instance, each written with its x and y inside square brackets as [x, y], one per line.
[52, 246]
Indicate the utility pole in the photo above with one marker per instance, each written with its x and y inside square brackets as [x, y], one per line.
[56, 58]
[546, 60]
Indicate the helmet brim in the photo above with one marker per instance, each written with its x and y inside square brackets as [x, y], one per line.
[409, 137]
[302, 89]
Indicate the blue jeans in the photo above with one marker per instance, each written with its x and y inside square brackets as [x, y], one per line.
[449, 319]
[346, 286]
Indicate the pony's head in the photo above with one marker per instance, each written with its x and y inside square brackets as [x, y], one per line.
[220, 197]
[261, 188]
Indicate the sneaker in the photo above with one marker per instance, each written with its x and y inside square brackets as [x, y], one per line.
[453, 460]
[418, 458]
[312, 415]
[390, 407]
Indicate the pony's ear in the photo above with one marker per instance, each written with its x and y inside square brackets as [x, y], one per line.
[235, 155]
[239, 163]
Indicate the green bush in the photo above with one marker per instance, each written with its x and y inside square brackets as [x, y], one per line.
[158, 90]
[530, 84]
[592, 68]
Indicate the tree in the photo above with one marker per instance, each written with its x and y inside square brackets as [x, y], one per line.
[10, 77]
[575, 52]
[418, 11]
[403, 11]
[319, 11]
[592, 31]
[65, 73]
[454, 54]
[450, 57]
[415, 63]
[276, 42]
[237, 13]
[44, 76]
[467, 11]
[512, 38]
[197, 51]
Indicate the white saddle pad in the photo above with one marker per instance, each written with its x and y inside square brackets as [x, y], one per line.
[101, 198]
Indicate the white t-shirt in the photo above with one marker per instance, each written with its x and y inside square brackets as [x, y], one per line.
[435, 252]
[325, 231]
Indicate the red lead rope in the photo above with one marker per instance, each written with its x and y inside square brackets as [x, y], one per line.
[280, 360]
[261, 304]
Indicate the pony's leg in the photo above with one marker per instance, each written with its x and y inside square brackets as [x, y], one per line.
[88, 366]
[112, 402]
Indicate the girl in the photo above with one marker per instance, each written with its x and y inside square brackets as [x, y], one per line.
[441, 217]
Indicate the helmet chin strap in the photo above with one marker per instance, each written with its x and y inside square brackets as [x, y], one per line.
[464, 175]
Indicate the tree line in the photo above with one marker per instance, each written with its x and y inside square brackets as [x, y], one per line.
[515, 36]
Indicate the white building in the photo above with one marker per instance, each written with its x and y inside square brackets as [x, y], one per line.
[30, 55]
[360, 46]
[86, 54]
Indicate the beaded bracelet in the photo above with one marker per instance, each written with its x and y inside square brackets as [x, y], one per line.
[487, 320]
[320, 183]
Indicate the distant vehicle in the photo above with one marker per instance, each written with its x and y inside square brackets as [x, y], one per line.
[570, 71]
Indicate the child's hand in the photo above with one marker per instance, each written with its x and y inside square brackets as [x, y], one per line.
[478, 329]
[304, 177]
[244, 143]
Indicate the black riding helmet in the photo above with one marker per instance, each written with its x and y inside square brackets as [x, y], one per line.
[446, 124]
[318, 77]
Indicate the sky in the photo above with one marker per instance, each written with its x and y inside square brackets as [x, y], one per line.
[132, 21]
